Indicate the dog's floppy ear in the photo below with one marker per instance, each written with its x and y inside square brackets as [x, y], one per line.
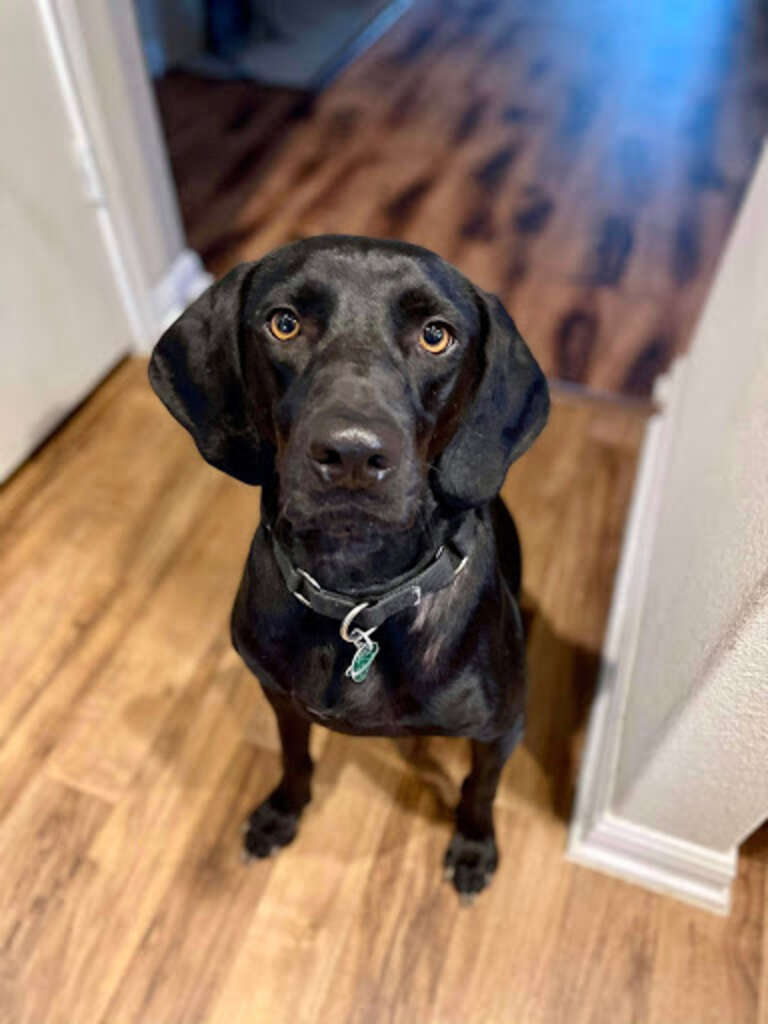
[504, 416]
[196, 371]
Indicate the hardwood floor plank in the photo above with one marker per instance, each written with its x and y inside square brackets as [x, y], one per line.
[497, 945]
[140, 846]
[758, 850]
[386, 970]
[121, 557]
[143, 741]
[74, 546]
[201, 920]
[202, 115]
[579, 159]
[43, 857]
[308, 906]
[596, 966]
[720, 960]
[18, 492]
[139, 684]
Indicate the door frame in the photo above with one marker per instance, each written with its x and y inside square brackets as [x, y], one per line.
[121, 152]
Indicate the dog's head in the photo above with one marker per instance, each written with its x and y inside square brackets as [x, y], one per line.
[359, 376]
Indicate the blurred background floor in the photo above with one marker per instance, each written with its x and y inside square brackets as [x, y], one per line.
[581, 158]
[133, 742]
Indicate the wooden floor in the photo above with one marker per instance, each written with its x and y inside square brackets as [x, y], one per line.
[582, 158]
[132, 743]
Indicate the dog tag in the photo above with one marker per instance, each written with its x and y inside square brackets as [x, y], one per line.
[363, 658]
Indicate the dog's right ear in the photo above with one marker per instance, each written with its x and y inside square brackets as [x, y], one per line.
[196, 371]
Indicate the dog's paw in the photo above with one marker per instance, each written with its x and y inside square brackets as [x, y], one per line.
[267, 829]
[470, 864]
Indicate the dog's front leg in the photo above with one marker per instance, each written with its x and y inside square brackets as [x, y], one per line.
[274, 822]
[472, 856]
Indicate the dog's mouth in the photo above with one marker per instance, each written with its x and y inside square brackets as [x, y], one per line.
[350, 539]
[351, 512]
[346, 516]
[347, 550]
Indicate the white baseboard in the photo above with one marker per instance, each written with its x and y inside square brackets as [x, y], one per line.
[184, 281]
[599, 838]
[657, 861]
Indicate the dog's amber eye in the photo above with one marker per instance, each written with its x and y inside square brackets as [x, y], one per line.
[435, 338]
[284, 324]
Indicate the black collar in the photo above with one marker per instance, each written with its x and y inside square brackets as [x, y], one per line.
[370, 611]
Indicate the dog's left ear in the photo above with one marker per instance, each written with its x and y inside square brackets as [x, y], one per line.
[196, 371]
[506, 413]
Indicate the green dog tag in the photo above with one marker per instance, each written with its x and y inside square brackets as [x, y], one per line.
[365, 656]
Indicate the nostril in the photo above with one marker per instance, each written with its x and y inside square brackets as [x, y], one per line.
[378, 462]
[351, 455]
[326, 456]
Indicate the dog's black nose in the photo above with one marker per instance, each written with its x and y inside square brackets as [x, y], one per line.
[353, 455]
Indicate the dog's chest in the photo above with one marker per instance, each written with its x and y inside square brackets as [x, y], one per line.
[452, 665]
[407, 688]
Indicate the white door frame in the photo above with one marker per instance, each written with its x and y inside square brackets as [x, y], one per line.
[121, 151]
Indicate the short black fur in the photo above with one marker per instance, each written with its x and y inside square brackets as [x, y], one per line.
[371, 452]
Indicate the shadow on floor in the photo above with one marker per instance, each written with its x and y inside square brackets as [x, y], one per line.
[756, 846]
[562, 678]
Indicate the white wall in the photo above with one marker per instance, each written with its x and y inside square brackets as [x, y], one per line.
[701, 665]
[93, 261]
[674, 774]
[63, 319]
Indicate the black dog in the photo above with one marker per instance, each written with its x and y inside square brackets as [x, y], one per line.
[378, 398]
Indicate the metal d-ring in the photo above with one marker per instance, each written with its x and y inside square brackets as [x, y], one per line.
[310, 579]
[349, 618]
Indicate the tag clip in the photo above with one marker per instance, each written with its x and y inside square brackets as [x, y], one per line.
[365, 648]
